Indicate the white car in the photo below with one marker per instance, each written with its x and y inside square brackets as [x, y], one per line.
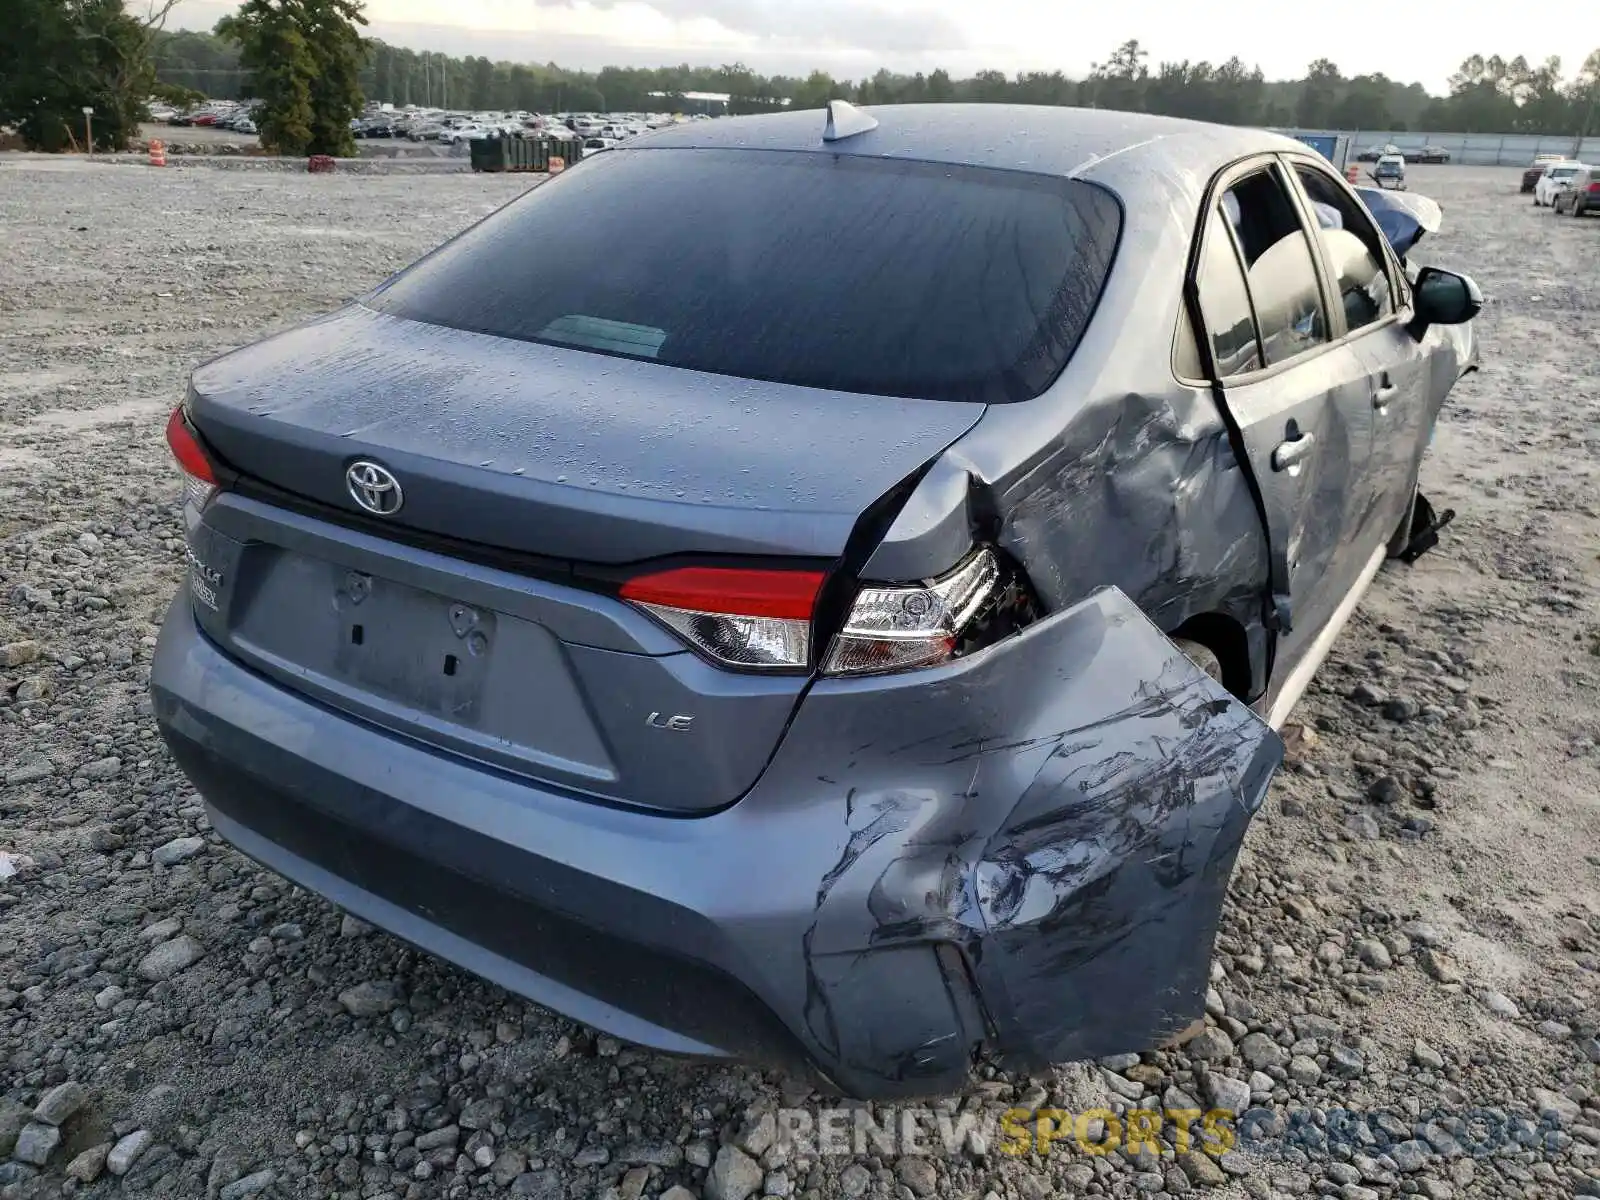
[596, 144]
[1557, 177]
[1390, 172]
[464, 133]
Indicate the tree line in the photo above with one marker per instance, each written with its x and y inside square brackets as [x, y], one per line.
[1487, 94]
[309, 62]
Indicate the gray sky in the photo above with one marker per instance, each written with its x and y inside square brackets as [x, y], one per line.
[1410, 40]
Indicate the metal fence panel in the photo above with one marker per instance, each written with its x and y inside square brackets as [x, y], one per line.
[1474, 149]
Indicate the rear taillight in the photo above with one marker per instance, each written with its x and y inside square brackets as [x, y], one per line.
[199, 480]
[763, 619]
[746, 618]
[893, 628]
[1594, 188]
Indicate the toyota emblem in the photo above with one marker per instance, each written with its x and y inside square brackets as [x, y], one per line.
[374, 488]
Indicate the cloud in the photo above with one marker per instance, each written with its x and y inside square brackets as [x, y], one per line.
[836, 24]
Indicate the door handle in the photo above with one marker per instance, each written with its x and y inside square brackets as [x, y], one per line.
[1289, 455]
[1384, 394]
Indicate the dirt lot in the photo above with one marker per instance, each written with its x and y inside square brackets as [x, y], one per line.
[210, 139]
[1413, 934]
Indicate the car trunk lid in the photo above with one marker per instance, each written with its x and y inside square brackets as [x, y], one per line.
[560, 452]
[579, 467]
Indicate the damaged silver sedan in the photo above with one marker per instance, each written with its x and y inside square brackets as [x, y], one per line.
[846, 630]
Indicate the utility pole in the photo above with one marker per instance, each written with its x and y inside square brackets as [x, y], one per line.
[88, 130]
[427, 82]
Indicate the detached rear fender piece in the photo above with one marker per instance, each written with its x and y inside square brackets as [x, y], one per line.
[1064, 809]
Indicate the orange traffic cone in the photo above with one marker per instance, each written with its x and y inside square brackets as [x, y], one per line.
[158, 154]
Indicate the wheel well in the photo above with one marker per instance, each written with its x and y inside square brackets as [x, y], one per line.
[1225, 638]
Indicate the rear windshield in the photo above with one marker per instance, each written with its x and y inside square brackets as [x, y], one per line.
[892, 278]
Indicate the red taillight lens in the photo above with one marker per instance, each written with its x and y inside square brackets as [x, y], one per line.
[186, 449]
[1594, 188]
[755, 619]
[199, 480]
[789, 595]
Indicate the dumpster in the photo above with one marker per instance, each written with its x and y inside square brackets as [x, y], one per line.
[1335, 147]
[523, 154]
[488, 154]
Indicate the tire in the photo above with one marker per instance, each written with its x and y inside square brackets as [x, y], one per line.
[1201, 656]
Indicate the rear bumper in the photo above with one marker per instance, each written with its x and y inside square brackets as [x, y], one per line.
[1024, 851]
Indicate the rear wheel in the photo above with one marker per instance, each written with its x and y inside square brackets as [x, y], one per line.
[1202, 656]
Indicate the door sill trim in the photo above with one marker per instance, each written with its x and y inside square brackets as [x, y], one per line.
[1300, 678]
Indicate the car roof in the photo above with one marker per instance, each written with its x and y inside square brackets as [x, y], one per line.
[1035, 138]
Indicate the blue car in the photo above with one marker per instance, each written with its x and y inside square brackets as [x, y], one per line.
[849, 628]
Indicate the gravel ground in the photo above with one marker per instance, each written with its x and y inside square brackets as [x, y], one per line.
[1413, 934]
[209, 140]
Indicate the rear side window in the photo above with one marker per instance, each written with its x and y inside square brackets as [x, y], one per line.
[1354, 248]
[1278, 266]
[1226, 304]
[895, 278]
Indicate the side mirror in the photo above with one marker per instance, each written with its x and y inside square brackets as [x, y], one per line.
[1443, 298]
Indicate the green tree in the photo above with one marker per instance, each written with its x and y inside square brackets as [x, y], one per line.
[1364, 105]
[1319, 94]
[481, 90]
[1584, 96]
[200, 62]
[1120, 81]
[305, 59]
[60, 56]
[819, 88]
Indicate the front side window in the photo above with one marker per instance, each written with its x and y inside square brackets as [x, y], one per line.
[1354, 248]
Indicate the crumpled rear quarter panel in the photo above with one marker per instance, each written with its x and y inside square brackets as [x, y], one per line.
[1064, 808]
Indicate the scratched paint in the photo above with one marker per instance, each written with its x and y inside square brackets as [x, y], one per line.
[1064, 809]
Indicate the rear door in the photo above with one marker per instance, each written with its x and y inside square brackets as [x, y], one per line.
[1371, 312]
[1299, 403]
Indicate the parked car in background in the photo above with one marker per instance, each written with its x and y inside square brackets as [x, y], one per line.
[1433, 154]
[1373, 153]
[1581, 195]
[1390, 172]
[824, 717]
[1530, 176]
[596, 144]
[456, 135]
[1556, 177]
